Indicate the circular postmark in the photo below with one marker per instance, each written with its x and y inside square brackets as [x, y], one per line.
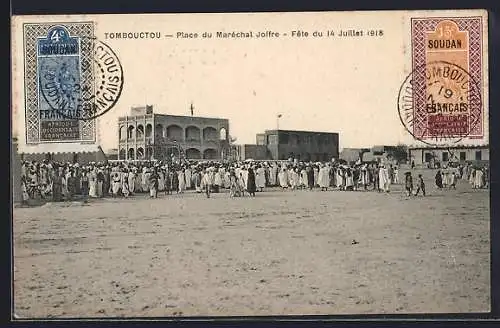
[82, 87]
[438, 102]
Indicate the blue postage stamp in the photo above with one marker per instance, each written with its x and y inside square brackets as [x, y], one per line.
[59, 78]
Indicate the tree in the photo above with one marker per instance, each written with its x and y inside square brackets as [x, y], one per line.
[399, 153]
[232, 148]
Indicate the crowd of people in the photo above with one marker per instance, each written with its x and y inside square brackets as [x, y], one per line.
[53, 181]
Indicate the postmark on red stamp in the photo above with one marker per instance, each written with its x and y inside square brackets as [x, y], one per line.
[440, 102]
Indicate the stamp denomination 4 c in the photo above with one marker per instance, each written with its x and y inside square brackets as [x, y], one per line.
[70, 79]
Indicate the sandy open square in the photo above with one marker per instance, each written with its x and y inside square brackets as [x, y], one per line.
[279, 253]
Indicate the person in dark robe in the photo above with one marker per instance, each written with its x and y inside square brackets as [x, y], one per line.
[84, 181]
[420, 185]
[439, 179]
[71, 185]
[78, 184]
[175, 180]
[57, 186]
[355, 176]
[408, 184]
[168, 182]
[107, 182]
[251, 187]
[310, 177]
[101, 180]
[153, 184]
[376, 185]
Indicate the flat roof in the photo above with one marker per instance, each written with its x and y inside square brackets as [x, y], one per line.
[189, 116]
[447, 147]
[176, 116]
[299, 131]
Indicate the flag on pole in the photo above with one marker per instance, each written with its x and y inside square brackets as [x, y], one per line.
[279, 115]
[192, 109]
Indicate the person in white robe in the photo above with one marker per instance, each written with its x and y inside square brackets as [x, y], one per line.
[145, 179]
[131, 180]
[283, 178]
[124, 182]
[161, 179]
[189, 179]
[396, 174]
[384, 180]
[304, 183]
[244, 178]
[182, 181]
[338, 178]
[349, 179]
[453, 180]
[324, 177]
[478, 179]
[260, 178]
[93, 182]
[294, 178]
[115, 181]
[226, 178]
[147, 176]
[290, 176]
[208, 180]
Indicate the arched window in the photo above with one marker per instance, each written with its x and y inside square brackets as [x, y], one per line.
[159, 131]
[223, 134]
[121, 132]
[140, 153]
[210, 154]
[174, 132]
[121, 154]
[149, 130]
[130, 132]
[131, 153]
[193, 153]
[193, 133]
[210, 134]
[149, 152]
[140, 131]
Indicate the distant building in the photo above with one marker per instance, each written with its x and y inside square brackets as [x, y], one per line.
[112, 154]
[144, 135]
[257, 152]
[429, 156]
[353, 154]
[300, 145]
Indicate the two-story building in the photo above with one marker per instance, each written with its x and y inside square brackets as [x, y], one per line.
[145, 135]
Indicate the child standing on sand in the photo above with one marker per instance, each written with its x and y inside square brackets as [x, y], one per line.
[420, 185]
[408, 184]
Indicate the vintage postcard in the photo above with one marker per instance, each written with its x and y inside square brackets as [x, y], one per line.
[249, 164]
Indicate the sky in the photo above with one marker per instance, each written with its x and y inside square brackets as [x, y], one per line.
[347, 85]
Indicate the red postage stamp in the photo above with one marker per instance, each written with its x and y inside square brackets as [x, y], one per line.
[441, 100]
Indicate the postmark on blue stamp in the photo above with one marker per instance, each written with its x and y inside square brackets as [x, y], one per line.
[71, 78]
